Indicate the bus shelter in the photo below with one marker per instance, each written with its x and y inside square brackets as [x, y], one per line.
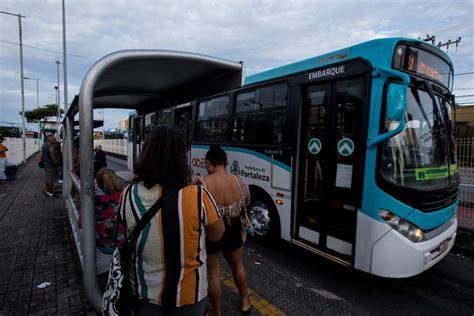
[128, 79]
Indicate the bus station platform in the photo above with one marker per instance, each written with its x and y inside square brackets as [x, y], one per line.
[40, 271]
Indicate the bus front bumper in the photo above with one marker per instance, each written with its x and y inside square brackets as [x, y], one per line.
[395, 256]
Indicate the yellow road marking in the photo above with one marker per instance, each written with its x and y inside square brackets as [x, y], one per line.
[260, 304]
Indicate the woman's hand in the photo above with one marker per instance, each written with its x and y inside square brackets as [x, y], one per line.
[200, 180]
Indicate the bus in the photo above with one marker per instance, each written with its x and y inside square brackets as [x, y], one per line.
[349, 154]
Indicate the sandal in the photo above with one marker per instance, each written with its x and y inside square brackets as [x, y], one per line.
[247, 310]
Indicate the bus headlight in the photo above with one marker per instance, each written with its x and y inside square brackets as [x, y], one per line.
[402, 226]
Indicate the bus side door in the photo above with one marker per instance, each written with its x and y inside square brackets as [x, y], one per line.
[331, 165]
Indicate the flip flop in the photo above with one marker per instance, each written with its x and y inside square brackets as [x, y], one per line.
[248, 310]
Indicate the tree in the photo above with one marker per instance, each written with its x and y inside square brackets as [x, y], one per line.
[6, 131]
[42, 114]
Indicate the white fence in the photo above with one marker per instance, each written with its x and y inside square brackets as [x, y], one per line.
[15, 148]
[116, 146]
[465, 153]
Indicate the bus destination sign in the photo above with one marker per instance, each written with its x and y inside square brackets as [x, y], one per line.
[423, 63]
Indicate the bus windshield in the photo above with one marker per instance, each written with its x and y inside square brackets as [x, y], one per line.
[422, 156]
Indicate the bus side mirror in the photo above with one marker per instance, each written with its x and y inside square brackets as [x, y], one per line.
[396, 106]
[396, 101]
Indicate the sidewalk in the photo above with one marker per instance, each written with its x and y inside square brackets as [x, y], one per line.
[35, 247]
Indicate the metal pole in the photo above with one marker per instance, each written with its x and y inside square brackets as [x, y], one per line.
[22, 91]
[64, 58]
[22, 83]
[58, 97]
[67, 140]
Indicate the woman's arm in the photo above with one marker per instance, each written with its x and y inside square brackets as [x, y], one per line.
[215, 225]
[216, 230]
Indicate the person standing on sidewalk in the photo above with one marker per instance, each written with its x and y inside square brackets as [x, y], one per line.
[3, 160]
[100, 159]
[231, 194]
[169, 274]
[51, 162]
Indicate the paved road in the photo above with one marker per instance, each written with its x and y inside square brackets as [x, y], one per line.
[299, 282]
[116, 164]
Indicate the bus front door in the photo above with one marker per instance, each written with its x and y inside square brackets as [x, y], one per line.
[330, 166]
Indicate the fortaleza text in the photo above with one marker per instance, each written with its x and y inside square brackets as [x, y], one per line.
[254, 175]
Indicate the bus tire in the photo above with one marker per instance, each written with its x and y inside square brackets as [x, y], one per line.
[264, 219]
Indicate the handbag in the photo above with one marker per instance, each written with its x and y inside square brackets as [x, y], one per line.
[246, 224]
[117, 298]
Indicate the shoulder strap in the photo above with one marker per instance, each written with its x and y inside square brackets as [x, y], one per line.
[123, 201]
[238, 183]
[148, 216]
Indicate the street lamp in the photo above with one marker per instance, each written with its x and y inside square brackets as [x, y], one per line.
[22, 83]
[37, 90]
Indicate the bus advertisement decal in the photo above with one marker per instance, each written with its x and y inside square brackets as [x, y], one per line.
[431, 173]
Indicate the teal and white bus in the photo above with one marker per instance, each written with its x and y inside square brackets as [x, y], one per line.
[348, 154]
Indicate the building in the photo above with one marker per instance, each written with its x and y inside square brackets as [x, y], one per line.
[123, 124]
[464, 121]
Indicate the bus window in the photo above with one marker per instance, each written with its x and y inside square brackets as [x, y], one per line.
[212, 120]
[164, 116]
[349, 98]
[260, 115]
[150, 120]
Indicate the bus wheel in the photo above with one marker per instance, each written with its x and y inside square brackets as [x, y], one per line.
[264, 219]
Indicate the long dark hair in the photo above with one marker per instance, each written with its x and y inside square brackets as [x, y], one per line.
[216, 156]
[163, 159]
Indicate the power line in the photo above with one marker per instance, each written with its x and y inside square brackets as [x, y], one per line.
[46, 50]
[464, 88]
[465, 96]
[465, 73]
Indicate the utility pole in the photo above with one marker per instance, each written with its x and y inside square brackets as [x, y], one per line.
[22, 83]
[58, 99]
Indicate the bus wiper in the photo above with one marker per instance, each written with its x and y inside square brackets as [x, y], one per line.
[436, 110]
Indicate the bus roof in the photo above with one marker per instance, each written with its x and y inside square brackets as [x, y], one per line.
[125, 79]
[375, 51]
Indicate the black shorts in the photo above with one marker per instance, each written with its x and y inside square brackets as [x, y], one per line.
[230, 241]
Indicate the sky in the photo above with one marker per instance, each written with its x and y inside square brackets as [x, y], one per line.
[262, 33]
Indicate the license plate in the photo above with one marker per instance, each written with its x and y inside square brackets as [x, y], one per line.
[443, 246]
